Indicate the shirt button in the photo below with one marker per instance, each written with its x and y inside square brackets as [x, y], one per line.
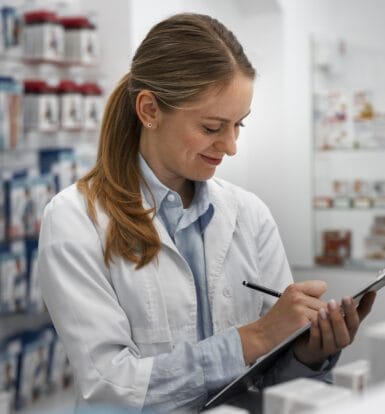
[227, 292]
[171, 197]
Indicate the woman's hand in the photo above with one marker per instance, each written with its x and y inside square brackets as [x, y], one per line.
[299, 304]
[333, 330]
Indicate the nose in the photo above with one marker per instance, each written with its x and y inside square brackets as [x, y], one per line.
[228, 144]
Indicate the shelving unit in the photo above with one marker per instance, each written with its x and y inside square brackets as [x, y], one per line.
[66, 91]
[348, 154]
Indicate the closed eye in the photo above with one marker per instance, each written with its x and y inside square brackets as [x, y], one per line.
[211, 130]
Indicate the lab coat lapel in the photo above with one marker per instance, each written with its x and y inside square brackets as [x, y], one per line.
[219, 234]
[103, 221]
[165, 238]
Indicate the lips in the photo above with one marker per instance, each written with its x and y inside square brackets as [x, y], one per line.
[211, 161]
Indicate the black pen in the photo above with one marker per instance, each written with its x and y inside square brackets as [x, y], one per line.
[262, 289]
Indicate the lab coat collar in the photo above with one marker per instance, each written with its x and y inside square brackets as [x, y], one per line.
[218, 233]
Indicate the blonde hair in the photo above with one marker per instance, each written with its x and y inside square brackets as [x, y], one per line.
[179, 59]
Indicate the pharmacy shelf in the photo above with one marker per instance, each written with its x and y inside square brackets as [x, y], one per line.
[15, 323]
[62, 402]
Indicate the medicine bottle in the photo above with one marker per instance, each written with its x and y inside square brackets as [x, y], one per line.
[71, 105]
[92, 105]
[43, 36]
[40, 106]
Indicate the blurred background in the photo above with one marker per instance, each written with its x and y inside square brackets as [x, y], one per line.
[313, 146]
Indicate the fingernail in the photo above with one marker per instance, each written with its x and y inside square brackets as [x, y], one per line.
[323, 314]
[346, 301]
[332, 304]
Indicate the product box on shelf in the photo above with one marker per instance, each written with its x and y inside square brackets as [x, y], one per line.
[13, 279]
[336, 247]
[362, 194]
[301, 395]
[61, 162]
[331, 121]
[71, 105]
[40, 106]
[374, 342]
[2, 211]
[10, 28]
[92, 106]
[60, 372]
[43, 191]
[341, 194]
[323, 202]
[43, 36]
[26, 198]
[354, 376]
[34, 366]
[379, 193]
[375, 241]
[10, 350]
[35, 299]
[81, 40]
[10, 112]
[20, 208]
[5, 402]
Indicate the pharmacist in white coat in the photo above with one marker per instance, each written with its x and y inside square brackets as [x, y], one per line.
[141, 263]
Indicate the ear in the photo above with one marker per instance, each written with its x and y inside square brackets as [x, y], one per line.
[147, 109]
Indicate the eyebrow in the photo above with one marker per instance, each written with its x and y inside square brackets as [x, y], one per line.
[218, 118]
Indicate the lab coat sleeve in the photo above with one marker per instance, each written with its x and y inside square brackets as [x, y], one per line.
[174, 377]
[288, 368]
[85, 310]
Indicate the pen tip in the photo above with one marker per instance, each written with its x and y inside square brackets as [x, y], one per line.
[244, 283]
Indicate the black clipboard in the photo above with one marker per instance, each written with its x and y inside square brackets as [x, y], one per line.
[249, 377]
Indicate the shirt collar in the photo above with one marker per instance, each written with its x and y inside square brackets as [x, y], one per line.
[158, 190]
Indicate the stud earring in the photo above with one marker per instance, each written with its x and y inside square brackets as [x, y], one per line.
[149, 125]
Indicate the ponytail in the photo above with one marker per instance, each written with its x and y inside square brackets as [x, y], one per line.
[114, 182]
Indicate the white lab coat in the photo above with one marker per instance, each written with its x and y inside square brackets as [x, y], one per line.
[114, 321]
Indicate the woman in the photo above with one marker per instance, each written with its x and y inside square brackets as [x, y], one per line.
[142, 263]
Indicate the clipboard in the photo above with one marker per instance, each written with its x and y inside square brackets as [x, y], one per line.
[249, 377]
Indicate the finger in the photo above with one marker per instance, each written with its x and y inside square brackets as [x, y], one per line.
[315, 341]
[315, 288]
[314, 303]
[352, 318]
[327, 335]
[312, 315]
[339, 327]
[365, 305]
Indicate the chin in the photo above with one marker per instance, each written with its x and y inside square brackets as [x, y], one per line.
[203, 177]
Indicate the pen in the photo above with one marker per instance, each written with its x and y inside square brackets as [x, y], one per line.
[262, 289]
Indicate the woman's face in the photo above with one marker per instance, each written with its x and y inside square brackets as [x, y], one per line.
[189, 143]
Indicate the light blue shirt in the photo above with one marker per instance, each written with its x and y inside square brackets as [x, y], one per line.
[186, 228]
[221, 355]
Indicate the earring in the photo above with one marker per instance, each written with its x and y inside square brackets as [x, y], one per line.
[149, 125]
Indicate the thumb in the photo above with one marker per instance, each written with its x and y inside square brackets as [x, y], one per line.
[366, 304]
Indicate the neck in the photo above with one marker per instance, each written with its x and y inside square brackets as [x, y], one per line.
[187, 193]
